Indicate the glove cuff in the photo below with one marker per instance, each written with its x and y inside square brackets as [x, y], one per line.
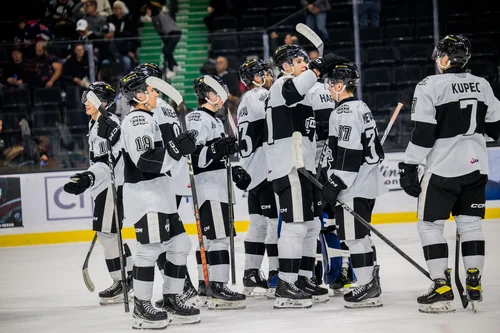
[91, 177]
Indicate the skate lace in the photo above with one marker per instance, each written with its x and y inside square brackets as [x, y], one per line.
[114, 286]
[260, 276]
[311, 283]
[359, 290]
[148, 308]
[430, 291]
[180, 300]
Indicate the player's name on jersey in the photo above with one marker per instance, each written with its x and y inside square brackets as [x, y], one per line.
[465, 87]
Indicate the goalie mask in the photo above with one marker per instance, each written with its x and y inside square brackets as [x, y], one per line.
[104, 91]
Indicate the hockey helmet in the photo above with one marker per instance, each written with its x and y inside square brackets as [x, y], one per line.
[104, 91]
[133, 83]
[150, 69]
[286, 53]
[201, 89]
[343, 70]
[456, 47]
[251, 68]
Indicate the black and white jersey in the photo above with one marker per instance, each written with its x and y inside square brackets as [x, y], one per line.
[170, 128]
[251, 126]
[98, 157]
[451, 112]
[146, 165]
[289, 110]
[210, 176]
[355, 151]
[322, 104]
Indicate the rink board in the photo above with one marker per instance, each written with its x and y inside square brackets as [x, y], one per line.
[51, 216]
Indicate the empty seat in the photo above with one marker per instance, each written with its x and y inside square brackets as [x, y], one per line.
[429, 69]
[376, 78]
[340, 37]
[348, 53]
[11, 120]
[74, 97]
[224, 23]
[415, 53]
[76, 119]
[47, 96]
[462, 27]
[424, 31]
[401, 32]
[45, 120]
[341, 16]
[380, 55]
[385, 101]
[395, 12]
[250, 38]
[222, 44]
[253, 21]
[16, 97]
[371, 35]
[407, 75]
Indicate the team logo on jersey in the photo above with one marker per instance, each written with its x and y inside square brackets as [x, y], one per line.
[243, 112]
[195, 133]
[423, 82]
[413, 105]
[310, 124]
[263, 97]
[138, 120]
[474, 160]
[167, 225]
[367, 117]
[194, 116]
[344, 108]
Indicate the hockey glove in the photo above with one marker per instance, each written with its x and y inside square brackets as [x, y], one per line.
[408, 179]
[181, 145]
[109, 130]
[322, 128]
[222, 147]
[80, 182]
[332, 188]
[323, 64]
[241, 178]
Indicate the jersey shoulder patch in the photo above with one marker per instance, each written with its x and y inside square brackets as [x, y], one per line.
[194, 116]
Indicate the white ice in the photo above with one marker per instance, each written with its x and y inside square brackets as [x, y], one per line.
[41, 290]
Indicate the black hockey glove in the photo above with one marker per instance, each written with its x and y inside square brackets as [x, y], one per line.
[108, 129]
[323, 64]
[322, 128]
[183, 144]
[222, 147]
[408, 179]
[332, 188]
[80, 182]
[241, 178]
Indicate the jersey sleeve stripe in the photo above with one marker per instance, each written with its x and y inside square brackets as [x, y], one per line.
[493, 130]
[152, 160]
[290, 93]
[348, 159]
[423, 134]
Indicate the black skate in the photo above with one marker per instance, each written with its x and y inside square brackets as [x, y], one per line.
[473, 287]
[272, 283]
[189, 296]
[146, 317]
[202, 294]
[367, 295]
[318, 294]
[254, 279]
[178, 312]
[222, 298]
[342, 284]
[288, 296]
[439, 298]
[114, 294]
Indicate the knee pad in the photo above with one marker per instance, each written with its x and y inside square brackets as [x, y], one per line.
[314, 227]
[221, 244]
[466, 223]
[431, 232]
[180, 244]
[106, 238]
[272, 231]
[362, 245]
[294, 230]
[257, 229]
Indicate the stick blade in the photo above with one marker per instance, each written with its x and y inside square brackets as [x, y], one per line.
[297, 149]
[219, 90]
[313, 37]
[86, 279]
[165, 88]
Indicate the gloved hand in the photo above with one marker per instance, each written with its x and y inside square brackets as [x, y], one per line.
[108, 129]
[322, 128]
[323, 64]
[79, 182]
[222, 147]
[183, 144]
[332, 188]
[241, 178]
[408, 179]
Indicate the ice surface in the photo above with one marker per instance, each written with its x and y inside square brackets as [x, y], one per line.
[41, 290]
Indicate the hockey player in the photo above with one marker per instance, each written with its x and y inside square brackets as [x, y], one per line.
[98, 180]
[451, 111]
[354, 177]
[212, 190]
[262, 233]
[178, 179]
[289, 111]
[150, 206]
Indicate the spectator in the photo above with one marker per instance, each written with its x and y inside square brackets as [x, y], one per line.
[82, 27]
[103, 8]
[125, 28]
[215, 9]
[32, 31]
[94, 21]
[113, 50]
[313, 54]
[369, 13]
[19, 74]
[5, 146]
[76, 67]
[48, 67]
[316, 12]
[60, 15]
[289, 39]
[231, 80]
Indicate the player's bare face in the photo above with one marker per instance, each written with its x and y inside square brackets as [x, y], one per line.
[299, 66]
[152, 97]
[269, 80]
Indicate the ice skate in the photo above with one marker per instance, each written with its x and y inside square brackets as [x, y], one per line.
[146, 317]
[318, 294]
[288, 296]
[254, 283]
[272, 282]
[473, 287]
[343, 284]
[365, 296]
[202, 294]
[180, 313]
[114, 294]
[189, 296]
[222, 298]
[439, 298]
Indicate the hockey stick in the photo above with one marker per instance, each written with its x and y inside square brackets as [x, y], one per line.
[221, 92]
[172, 93]
[297, 150]
[460, 287]
[85, 268]
[308, 33]
[94, 100]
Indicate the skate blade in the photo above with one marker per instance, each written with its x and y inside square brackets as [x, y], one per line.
[254, 291]
[474, 305]
[203, 301]
[270, 294]
[438, 307]
[288, 303]
[320, 298]
[143, 324]
[176, 320]
[118, 299]
[218, 304]
[196, 302]
[367, 303]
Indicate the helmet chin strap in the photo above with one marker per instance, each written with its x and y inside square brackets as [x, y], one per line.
[282, 71]
[216, 103]
[260, 85]
[337, 93]
[443, 68]
[144, 102]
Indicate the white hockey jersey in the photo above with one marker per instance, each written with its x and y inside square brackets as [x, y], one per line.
[289, 110]
[322, 104]
[355, 151]
[251, 126]
[146, 164]
[210, 176]
[98, 157]
[170, 127]
[451, 112]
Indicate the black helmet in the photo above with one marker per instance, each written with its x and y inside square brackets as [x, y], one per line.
[456, 47]
[286, 53]
[150, 69]
[132, 83]
[253, 67]
[104, 91]
[344, 70]
[201, 89]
